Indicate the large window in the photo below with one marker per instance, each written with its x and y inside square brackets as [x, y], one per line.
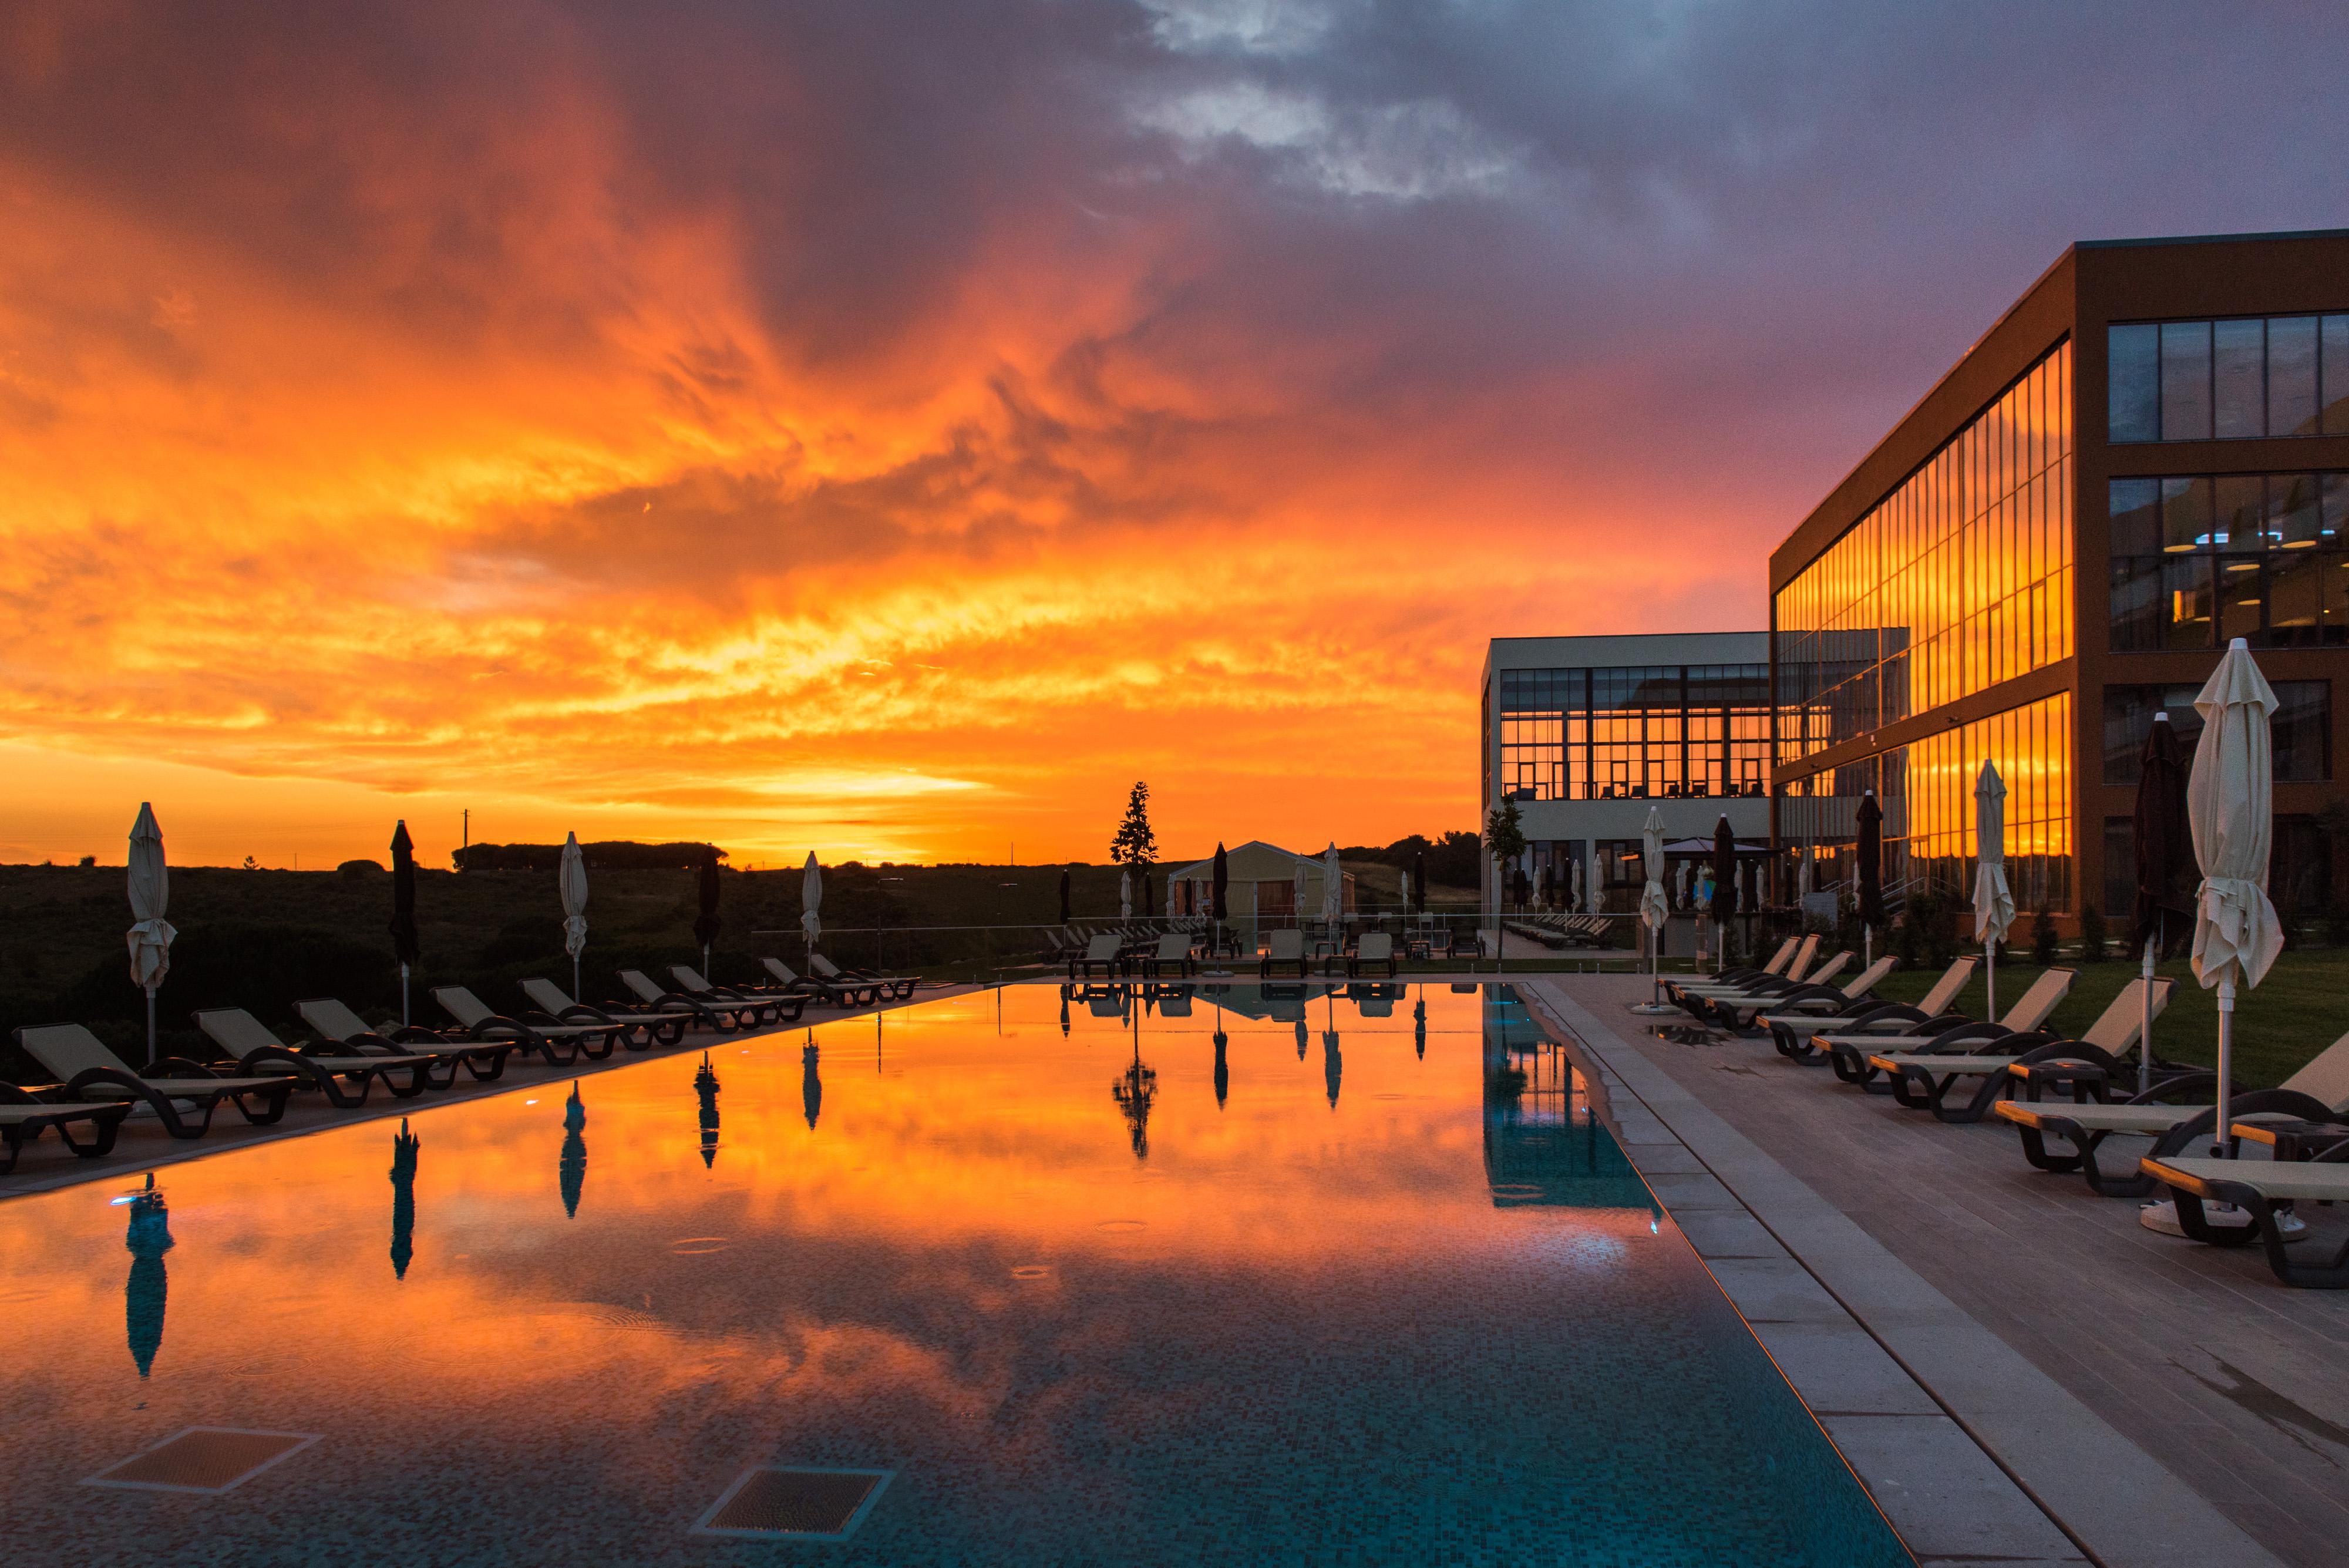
[1960, 579]
[2299, 868]
[1927, 790]
[2299, 730]
[2200, 560]
[2228, 380]
[1698, 730]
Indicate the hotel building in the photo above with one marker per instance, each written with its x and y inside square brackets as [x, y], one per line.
[2147, 456]
[1587, 734]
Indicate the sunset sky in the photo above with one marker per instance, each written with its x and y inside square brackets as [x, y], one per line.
[891, 430]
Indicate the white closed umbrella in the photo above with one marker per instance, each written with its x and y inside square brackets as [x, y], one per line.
[1654, 910]
[1993, 903]
[571, 882]
[150, 896]
[1594, 884]
[1333, 886]
[812, 902]
[1125, 894]
[2230, 806]
[1683, 878]
[1803, 873]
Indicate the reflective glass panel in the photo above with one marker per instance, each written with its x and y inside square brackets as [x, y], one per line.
[2238, 349]
[2186, 380]
[2291, 375]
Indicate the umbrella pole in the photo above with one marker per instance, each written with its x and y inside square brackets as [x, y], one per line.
[403, 995]
[574, 978]
[2145, 1026]
[2220, 1140]
[151, 1025]
[1989, 980]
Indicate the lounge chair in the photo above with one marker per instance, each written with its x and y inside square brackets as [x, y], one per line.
[249, 1044]
[775, 1006]
[90, 1072]
[23, 1117]
[1920, 1076]
[723, 1011]
[641, 1028]
[559, 1044]
[2319, 1090]
[1285, 946]
[790, 983]
[2261, 1187]
[1736, 1010]
[1371, 949]
[896, 987]
[1102, 953]
[1817, 1000]
[1176, 950]
[335, 1023]
[1790, 960]
[1848, 1050]
[1792, 1033]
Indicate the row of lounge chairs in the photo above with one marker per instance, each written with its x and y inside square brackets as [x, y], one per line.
[1562, 930]
[2059, 1093]
[1177, 953]
[256, 1070]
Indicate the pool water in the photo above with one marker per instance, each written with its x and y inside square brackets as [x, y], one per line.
[1366, 1282]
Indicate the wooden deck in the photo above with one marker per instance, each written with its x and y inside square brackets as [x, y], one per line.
[2238, 1386]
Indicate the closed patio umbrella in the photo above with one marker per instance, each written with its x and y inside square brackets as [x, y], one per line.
[1333, 886]
[705, 924]
[2230, 805]
[403, 909]
[1297, 892]
[1125, 894]
[571, 1166]
[1218, 907]
[150, 934]
[1725, 885]
[812, 902]
[1870, 874]
[2165, 861]
[403, 1147]
[1993, 904]
[571, 882]
[1653, 910]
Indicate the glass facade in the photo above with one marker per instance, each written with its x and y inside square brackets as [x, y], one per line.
[2299, 730]
[1927, 792]
[1960, 579]
[1670, 731]
[2198, 560]
[2228, 380]
[2300, 863]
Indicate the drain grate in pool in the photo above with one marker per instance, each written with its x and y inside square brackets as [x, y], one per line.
[204, 1459]
[797, 1503]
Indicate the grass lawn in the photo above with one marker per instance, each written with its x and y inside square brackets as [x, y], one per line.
[2301, 1008]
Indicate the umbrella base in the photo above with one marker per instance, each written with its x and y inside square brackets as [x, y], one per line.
[2162, 1217]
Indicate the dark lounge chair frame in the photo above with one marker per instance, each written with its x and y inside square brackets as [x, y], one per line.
[324, 1067]
[485, 1060]
[2177, 1139]
[105, 1117]
[173, 1078]
[2332, 1274]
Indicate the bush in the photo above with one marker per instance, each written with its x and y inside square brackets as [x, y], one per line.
[2043, 936]
[2094, 940]
[1929, 927]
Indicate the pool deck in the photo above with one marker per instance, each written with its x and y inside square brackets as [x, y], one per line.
[2159, 1402]
[45, 1166]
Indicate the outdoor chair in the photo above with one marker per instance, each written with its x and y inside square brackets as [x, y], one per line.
[1819, 998]
[245, 1041]
[2263, 1188]
[790, 983]
[1794, 1035]
[1920, 1076]
[336, 1025]
[640, 1028]
[2319, 1091]
[561, 1044]
[23, 1117]
[1736, 980]
[769, 1001]
[1848, 1050]
[1285, 946]
[1101, 954]
[90, 1072]
[1175, 950]
[1372, 950]
[1757, 994]
[896, 987]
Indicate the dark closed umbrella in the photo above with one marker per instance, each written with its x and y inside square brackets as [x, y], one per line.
[705, 1090]
[1065, 916]
[403, 1147]
[145, 1293]
[571, 1169]
[1223, 1069]
[1223, 883]
[403, 908]
[1724, 883]
[2166, 866]
[1872, 861]
[811, 1085]
[706, 924]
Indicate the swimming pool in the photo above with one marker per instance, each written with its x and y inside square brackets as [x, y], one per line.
[1366, 1283]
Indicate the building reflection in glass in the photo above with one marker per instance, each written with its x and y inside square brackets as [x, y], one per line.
[1543, 1145]
[145, 1292]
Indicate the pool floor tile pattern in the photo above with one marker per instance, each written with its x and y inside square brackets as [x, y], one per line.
[203, 1460]
[787, 1501]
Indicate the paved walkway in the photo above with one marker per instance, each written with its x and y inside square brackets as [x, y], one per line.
[2164, 1402]
[145, 1146]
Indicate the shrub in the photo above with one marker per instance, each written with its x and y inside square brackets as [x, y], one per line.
[2094, 940]
[2043, 936]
